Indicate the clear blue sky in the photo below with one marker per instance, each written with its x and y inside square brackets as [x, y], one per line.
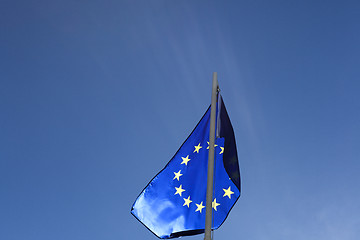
[97, 96]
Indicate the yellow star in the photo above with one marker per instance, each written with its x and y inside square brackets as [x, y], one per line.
[199, 207]
[215, 204]
[187, 202]
[209, 146]
[228, 192]
[222, 150]
[177, 175]
[179, 190]
[197, 148]
[185, 160]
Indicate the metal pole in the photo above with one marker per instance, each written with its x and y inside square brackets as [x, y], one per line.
[210, 175]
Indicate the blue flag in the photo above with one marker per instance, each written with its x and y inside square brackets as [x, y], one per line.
[173, 203]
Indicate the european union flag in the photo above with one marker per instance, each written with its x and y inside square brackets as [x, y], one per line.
[173, 203]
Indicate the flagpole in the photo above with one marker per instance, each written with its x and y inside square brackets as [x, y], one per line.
[210, 175]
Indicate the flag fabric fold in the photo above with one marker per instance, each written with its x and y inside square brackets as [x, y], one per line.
[173, 203]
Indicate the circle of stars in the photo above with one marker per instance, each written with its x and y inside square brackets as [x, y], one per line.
[180, 190]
